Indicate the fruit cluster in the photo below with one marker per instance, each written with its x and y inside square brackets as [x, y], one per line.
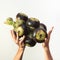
[30, 27]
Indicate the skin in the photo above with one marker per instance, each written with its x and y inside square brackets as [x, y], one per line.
[20, 43]
[45, 46]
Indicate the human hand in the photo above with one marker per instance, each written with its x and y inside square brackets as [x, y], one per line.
[46, 43]
[17, 40]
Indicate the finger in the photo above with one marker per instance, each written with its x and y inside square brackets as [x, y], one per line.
[22, 39]
[46, 40]
[49, 33]
[13, 35]
[17, 38]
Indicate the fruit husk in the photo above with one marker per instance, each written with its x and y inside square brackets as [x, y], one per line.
[21, 30]
[30, 42]
[43, 26]
[9, 21]
[33, 23]
[20, 22]
[39, 35]
[22, 16]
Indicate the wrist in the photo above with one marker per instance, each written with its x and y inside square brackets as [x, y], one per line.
[46, 48]
[47, 53]
[19, 54]
[21, 49]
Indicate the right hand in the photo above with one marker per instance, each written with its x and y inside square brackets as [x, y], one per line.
[18, 41]
[46, 43]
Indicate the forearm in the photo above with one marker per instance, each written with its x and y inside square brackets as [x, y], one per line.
[47, 53]
[19, 54]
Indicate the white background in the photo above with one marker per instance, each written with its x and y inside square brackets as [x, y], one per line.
[47, 11]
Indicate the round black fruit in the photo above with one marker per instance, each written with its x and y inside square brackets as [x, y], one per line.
[19, 22]
[43, 26]
[39, 35]
[30, 42]
[33, 23]
[21, 30]
[22, 16]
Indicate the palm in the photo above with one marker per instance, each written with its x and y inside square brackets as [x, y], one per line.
[17, 40]
[46, 43]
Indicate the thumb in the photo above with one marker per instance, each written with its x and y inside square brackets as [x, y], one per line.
[22, 39]
[49, 33]
[46, 40]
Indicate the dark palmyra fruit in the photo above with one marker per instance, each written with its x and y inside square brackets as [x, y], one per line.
[43, 26]
[29, 42]
[22, 16]
[33, 23]
[40, 35]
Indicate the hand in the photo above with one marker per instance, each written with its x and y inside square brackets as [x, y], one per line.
[17, 40]
[46, 43]
[20, 43]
